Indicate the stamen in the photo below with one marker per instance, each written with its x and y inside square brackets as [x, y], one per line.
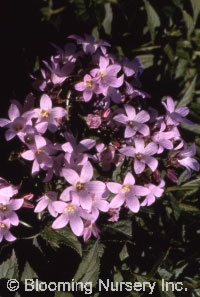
[44, 113]
[79, 186]
[126, 188]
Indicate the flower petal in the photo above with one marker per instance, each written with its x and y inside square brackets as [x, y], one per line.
[117, 201]
[70, 175]
[61, 221]
[76, 225]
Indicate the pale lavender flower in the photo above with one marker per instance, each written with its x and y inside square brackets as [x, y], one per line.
[127, 193]
[82, 186]
[47, 115]
[8, 207]
[75, 153]
[89, 44]
[99, 203]
[155, 192]
[175, 115]
[46, 201]
[107, 156]
[114, 214]
[107, 75]
[5, 230]
[6, 189]
[15, 124]
[71, 213]
[40, 154]
[184, 158]
[142, 155]
[131, 68]
[134, 122]
[88, 86]
[163, 139]
[89, 230]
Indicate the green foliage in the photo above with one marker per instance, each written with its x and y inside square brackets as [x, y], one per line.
[9, 268]
[62, 236]
[89, 268]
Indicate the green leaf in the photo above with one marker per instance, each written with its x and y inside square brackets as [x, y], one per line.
[187, 98]
[107, 22]
[28, 272]
[88, 270]
[181, 68]
[124, 253]
[169, 52]
[9, 268]
[147, 60]
[188, 22]
[62, 236]
[123, 226]
[188, 208]
[153, 19]
[196, 9]
[194, 128]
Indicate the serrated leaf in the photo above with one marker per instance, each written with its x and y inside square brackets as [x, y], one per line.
[196, 9]
[62, 236]
[107, 22]
[28, 272]
[187, 98]
[188, 22]
[123, 226]
[9, 268]
[88, 270]
[153, 19]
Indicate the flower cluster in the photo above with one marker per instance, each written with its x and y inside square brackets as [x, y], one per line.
[94, 132]
[8, 206]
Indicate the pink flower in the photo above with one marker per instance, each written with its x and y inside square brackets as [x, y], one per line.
[70, 213]
[99, 203]
[6, 189]
[134, 122]
[155, 191]
[16, 123]
[88, 86]
[142, 155]
[175, 115]
[163, 139]
[39, 154]
[5, 230]
[184, 158]
[89, 230]
[46, 115]
[107, 75]
[89, 45]
[127, 192]
[81, 186]
[8, 207]
[46, 201]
